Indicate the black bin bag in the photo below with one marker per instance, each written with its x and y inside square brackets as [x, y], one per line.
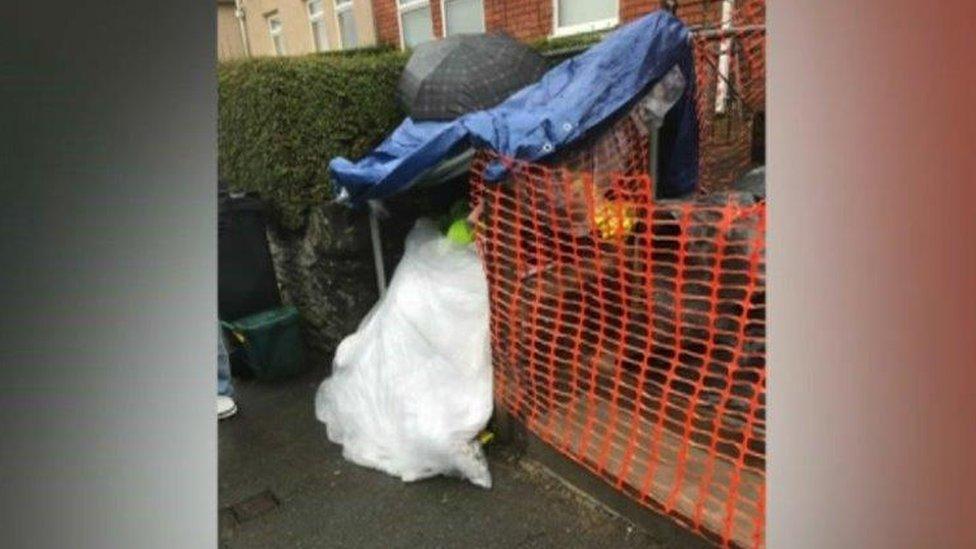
[246, 281]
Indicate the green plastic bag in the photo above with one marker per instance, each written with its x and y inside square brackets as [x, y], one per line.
[461, 232]
[454, 224]
[272, 342]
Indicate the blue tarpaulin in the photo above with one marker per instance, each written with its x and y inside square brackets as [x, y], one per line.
[569, 101]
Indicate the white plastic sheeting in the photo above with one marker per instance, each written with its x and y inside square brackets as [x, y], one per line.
[411, 388]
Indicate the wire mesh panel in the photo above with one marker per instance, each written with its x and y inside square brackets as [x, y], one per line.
[630, 335]
[628, 332]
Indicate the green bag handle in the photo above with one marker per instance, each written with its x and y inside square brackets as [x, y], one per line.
[233, 329]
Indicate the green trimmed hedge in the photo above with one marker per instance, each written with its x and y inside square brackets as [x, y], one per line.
[566, 43]
[281, 119]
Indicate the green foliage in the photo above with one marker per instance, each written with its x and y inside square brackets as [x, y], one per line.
[281, 119]
[357, 52]
[567, 43]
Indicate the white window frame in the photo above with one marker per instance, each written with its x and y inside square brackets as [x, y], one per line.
[444, 17]
[408, 7]
[340, 7]
[270, 17]
[581, 28]
[318, 18]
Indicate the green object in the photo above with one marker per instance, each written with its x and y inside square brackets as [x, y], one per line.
[280, 120]
[272, 342]
[461, 232]
[458, 212]
[485, 436]
[563, 43]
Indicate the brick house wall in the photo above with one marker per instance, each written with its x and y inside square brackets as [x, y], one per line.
[230, 45]
[524, 20]
[632, 9]
[699, 12]
[435, 15]
[533, 19]
[385, 19]
[296, 26]
[692, 12]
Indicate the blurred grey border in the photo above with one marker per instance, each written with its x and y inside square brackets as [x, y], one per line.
[108, 278]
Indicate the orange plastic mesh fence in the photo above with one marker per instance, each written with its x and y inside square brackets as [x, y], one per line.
[629, 333]
[630, 336]
[726, 128]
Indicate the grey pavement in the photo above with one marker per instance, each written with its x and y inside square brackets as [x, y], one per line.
[283, 484]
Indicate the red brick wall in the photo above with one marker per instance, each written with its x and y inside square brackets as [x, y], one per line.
[387, 25]
[436, 16]
[700, 12]
[692, 12]
[532, 19]
[523, 19]
[632, 9]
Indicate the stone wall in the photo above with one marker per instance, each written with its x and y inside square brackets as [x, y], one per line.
[326, 269]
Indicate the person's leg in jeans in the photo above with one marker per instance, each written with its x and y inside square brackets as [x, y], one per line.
[226, 406]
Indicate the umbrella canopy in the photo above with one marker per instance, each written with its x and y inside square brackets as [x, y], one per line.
[447, 78]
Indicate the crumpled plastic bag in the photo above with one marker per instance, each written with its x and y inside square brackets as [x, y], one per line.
[411, 388]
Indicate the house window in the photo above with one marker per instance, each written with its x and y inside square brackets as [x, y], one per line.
[347, 24]
[415, 22]
[274, 27]
[576, 16]
[463, 16]
[316, 18]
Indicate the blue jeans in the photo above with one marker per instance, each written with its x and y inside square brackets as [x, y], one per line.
[224, 387]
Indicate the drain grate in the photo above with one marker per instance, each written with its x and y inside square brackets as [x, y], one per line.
[254, 506]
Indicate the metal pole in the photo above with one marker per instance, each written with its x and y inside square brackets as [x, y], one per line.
[724, 59]
[239, 12]
[374, 233]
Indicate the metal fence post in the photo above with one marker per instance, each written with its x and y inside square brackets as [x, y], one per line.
[374, 233]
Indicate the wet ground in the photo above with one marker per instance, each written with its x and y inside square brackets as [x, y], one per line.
[283, 484]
